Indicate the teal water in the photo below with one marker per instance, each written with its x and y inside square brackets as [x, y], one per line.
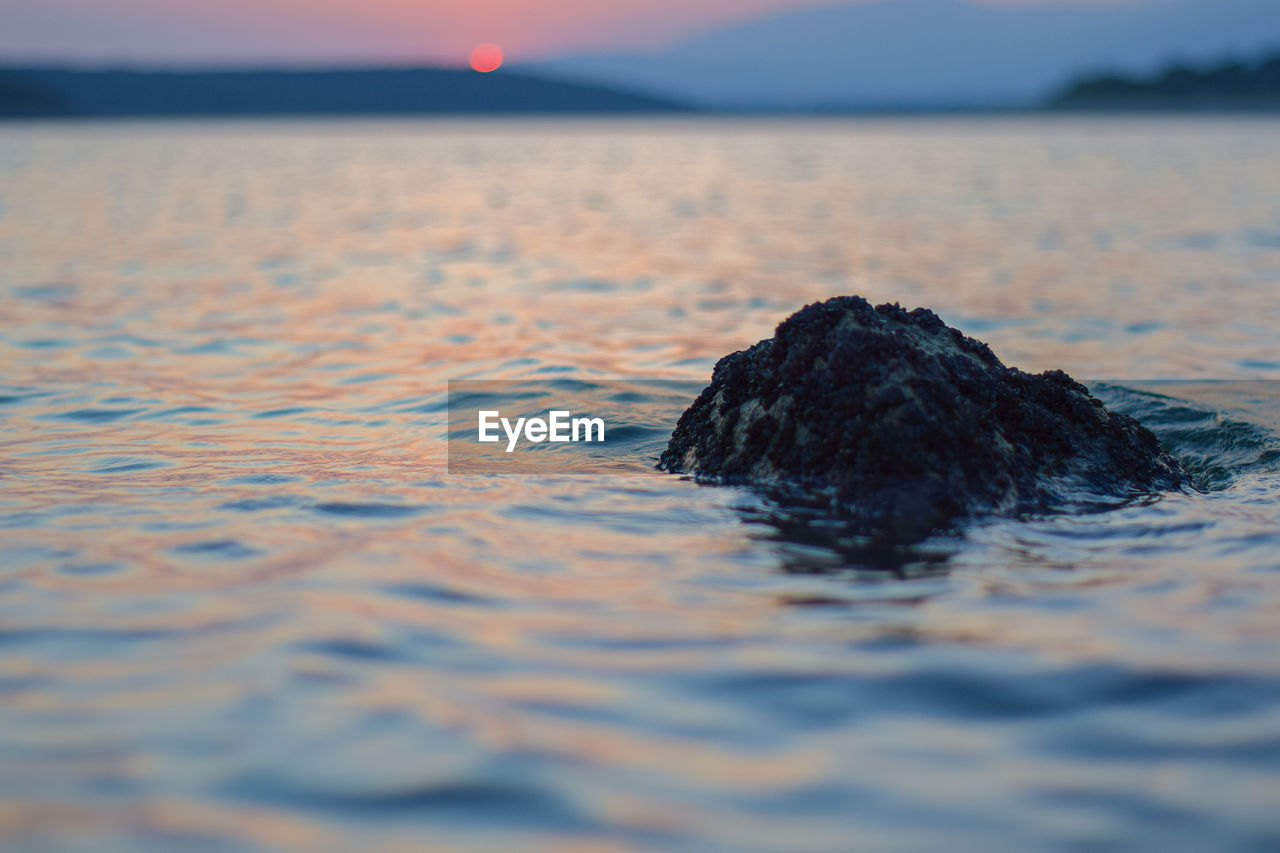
[244, 604]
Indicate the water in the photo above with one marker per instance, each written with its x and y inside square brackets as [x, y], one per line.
[243, 604]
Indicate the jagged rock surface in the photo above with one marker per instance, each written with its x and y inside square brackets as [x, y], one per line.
[904, 425]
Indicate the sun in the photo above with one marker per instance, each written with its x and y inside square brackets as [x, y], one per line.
[486, 57]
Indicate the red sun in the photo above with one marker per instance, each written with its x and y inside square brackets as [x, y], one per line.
[486, 57]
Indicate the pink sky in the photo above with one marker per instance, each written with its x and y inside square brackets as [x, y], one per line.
[290, 31]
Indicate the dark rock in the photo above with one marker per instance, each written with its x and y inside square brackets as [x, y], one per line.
[903, 425]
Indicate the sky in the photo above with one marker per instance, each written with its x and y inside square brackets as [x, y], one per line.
[291, 32]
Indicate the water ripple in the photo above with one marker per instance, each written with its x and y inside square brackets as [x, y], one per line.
[246, 606]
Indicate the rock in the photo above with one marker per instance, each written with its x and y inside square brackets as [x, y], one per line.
[903, 425]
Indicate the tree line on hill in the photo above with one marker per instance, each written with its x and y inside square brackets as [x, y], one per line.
[53, 92]
[1229, 85]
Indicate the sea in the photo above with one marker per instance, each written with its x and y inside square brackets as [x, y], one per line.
[246, 604]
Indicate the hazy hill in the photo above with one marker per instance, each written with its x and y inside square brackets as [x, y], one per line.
[55, 92]
[931, 53]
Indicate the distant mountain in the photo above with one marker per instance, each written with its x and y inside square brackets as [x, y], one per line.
[930, 53]
[1230, 86]
[32, 92]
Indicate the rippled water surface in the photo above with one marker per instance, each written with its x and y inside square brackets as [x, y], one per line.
[244, 605]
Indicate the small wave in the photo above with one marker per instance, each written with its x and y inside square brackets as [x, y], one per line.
[94, 415]
[220, 549]
[369, 510]
[458, 801]
[1217, 448]
[438, 594]
[259, 504]
[126, 465]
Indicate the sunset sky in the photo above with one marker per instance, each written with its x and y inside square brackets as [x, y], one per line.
[379, 31]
